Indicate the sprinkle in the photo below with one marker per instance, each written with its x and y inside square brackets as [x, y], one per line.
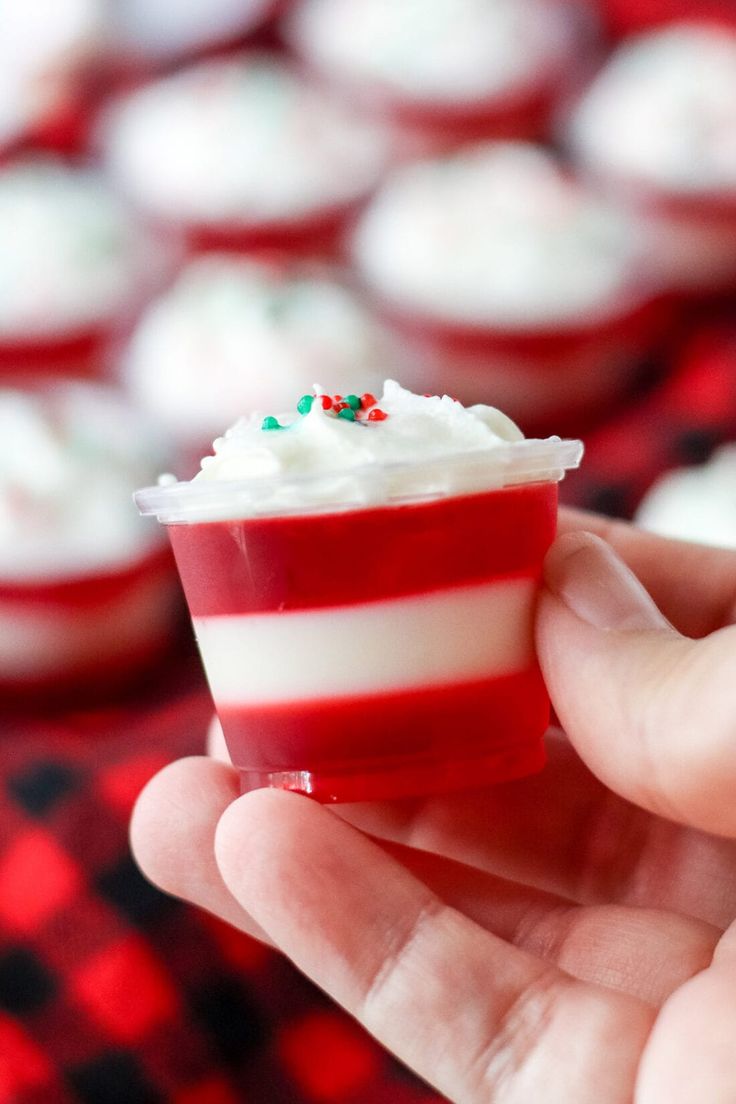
[326, 401]
[377, 415]
[353, 402]
[346, 412]
[305, 404]
[271, 423]
[337, 398]
[341, 406]
[368, 400]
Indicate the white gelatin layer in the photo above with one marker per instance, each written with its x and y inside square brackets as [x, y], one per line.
[446, 637]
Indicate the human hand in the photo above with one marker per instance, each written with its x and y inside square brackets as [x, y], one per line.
[561, 938]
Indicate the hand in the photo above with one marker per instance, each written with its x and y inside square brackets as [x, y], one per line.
[563, 938]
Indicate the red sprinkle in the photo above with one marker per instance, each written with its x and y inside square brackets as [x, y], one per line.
[326, 401]
[377, 415]
[341, 406]
[337, 398]
[367, 400]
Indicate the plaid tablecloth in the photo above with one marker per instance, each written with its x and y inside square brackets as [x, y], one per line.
[113, 993]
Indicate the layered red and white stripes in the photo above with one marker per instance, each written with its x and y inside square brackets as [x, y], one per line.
[357, 645]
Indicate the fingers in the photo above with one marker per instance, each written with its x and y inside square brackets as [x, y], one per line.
[652, 713]
[647, 953]
[708, 599]
[172, 835]
[690, 1053]
[563, 831]
[477, 1018]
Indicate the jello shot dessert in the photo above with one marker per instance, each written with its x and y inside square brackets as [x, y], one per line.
[447, 70]
[509, 281]
[152, 33]
[242, 151]
[361, 575]
[71, 265]
[48, 50]
[88, 594]
[695, 503]
[238, 333]
[657, 127]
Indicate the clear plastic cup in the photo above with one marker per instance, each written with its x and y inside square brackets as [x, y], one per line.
[368, 634]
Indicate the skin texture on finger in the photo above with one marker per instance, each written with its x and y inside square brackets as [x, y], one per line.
[172, 835]
[564, 832]
[475, 1017]
[652, 713]
[644, 952]
[641, 952]
[693, 585]
[690, 1053]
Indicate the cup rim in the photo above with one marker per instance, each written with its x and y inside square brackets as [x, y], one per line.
[367, 486]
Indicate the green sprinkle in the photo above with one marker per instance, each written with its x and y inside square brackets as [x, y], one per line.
[347, 413]
[271, 423]
[305, 404]
[353, 401]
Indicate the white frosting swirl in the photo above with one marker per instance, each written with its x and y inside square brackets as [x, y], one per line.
[446, 51]
[69, 256]
[237, 334]
[497, 236]
[243, 140]
[695, 504]
[425, 447]
[663, 111]
[164, 28]
[41, 44]
[68, 512]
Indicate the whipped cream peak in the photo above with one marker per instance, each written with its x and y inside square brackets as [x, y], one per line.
[498, 234]
[357, 451]
[662, 111]
[695, 503]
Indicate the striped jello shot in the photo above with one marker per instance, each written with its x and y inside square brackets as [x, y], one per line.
[361, 577]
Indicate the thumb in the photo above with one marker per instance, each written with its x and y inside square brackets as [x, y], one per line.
[651, 712]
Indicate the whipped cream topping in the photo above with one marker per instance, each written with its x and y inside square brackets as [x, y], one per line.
[399, 447]
[696, 503]
[451, 51]
[244, 140]
[69, 256]
[663, 111]
[497, 235]
[162, 28]
[41, 43]
[237, 334]
[67, 512]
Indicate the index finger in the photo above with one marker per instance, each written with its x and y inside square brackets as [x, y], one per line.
[693, 585]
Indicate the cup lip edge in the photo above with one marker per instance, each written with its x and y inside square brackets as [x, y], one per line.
[546, 460]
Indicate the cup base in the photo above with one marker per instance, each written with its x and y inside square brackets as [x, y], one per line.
[401, 778]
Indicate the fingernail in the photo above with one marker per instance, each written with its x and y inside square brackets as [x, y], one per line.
[586, 574]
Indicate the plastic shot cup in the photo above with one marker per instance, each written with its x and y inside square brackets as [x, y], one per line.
[368, 634]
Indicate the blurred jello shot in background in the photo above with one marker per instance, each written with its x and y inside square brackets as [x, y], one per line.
[47, 53]
[242, 152]
[695, 503]
[153, 33]
[237, 333]
[510, 282]
[361, 575]
[88, 595]
[447, 70]
[72, 264]
[657, 127]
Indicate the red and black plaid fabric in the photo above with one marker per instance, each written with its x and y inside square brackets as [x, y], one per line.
[113, 993]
